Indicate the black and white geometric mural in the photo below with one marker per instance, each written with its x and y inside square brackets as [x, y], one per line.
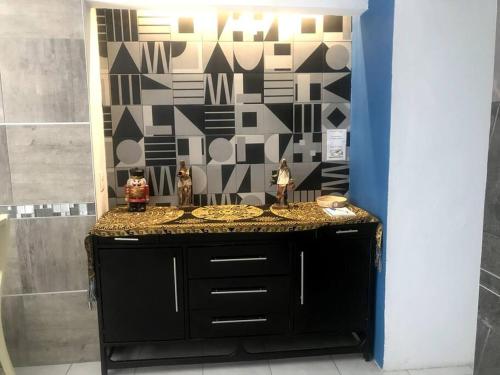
[231, 94]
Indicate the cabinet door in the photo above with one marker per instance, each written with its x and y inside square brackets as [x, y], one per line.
[142, 293]
[332, 287]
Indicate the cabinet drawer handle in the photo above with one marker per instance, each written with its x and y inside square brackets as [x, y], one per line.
[347, 231]
[240, 291]
[126, 239]
[251, 259]
[232, 321]
[175, 285]
[301, 277]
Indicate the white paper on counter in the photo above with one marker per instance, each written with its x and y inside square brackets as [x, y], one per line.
[336, 140]
[343, 211]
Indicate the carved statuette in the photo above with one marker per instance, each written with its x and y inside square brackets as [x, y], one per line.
[184, 185]
[282, 178]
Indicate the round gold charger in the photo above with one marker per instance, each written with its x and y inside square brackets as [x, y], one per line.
[120, 219]
[230, 212]
[306, 211]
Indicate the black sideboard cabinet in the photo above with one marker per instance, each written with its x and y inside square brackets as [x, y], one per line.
[193, 298]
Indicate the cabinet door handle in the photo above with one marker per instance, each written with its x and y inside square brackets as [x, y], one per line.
[301, 277]
[340, 231]
[239, 291]
[175, 285]
[232, 321]
[249, 259]
[126, 239]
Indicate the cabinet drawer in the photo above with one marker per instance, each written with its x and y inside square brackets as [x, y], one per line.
[347, 231]
[125, 241]
[239, 260]
[240, 294]
[213, 324]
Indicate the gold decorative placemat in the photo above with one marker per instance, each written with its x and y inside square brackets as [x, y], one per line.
[230, 212]
[120, 219]
[308, 211]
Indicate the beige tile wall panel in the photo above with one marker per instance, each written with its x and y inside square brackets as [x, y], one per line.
[48, 255]
[50, 329]
[2, 117]
[50, 163]
[44, 80]
[41, 19]
[12, 280]
[5, 182]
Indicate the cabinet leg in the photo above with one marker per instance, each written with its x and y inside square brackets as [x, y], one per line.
[104, 367]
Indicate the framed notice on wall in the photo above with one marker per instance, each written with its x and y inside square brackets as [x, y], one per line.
[336, 140]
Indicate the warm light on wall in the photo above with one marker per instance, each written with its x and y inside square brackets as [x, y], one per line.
[231, 93]
[205, 22]
[339, 7]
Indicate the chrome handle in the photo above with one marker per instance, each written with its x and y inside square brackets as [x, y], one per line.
[174, 260]
[346, 231]
[126, 239]
[232, 321]
[251, 259]
[240, 291]
[301, 277]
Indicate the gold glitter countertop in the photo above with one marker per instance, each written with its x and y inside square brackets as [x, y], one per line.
[222, 219]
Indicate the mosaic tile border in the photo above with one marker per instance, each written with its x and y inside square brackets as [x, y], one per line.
[30, 211]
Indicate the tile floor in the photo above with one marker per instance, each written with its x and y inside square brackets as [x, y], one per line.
[325, 365]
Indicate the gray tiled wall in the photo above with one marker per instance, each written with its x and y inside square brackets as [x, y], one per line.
[1, 102]
[40, 263]
[6, 190]
[53, 69]
[60, 167]
[47, 19]
[43, 61]
[487, 361]
[45, 158]
[50, 328]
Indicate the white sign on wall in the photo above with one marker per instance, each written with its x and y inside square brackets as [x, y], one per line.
[336, 140]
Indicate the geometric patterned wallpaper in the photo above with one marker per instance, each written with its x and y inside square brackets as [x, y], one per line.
[229, 93]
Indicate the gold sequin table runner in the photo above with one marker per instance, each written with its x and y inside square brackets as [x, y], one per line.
[222, 219]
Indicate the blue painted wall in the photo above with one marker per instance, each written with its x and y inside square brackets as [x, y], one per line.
[370, 128]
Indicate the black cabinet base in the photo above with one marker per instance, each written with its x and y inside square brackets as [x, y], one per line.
[198, 351]
[205, 298]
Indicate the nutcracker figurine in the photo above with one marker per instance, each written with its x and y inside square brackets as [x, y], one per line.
[137, 191]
